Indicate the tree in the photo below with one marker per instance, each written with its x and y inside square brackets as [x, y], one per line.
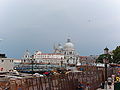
[116, 55]
[102, 56]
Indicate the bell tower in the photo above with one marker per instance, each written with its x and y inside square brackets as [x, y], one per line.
[106, 50]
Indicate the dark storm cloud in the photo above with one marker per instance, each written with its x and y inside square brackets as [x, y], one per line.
[38, 24]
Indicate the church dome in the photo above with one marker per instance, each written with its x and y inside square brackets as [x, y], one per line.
[60, 46]
[69, 45]
[38, 52]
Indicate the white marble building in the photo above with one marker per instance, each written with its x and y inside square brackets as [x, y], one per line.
[51, 58]
[65, 54]
[26, 57]
[70, 55]
[6, 64]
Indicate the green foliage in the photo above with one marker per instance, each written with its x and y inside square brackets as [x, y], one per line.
[102, 56]
[116, 55]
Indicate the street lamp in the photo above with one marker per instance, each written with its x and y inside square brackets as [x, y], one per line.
[106, 61]
[32, 62]
[61, 62]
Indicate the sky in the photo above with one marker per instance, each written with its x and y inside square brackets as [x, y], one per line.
[39, 24]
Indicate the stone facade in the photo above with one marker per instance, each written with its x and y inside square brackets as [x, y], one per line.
[65, 54]
[6, 64]
[49, 58]
[62, 54]
[68, 50]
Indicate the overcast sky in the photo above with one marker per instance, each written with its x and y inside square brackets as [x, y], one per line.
[39, 24]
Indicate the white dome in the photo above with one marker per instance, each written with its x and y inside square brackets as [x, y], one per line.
[60, 46]
[69, 45]
[38, 52]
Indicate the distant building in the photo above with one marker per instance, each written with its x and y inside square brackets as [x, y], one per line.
[62, 54]
[68, 50]
[49, 58]
[6, 64]
[17, 61]
[2, 56]
[88, 60]
[26, 57]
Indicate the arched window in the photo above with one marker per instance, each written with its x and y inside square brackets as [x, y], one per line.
[65, 53]
[70, 52]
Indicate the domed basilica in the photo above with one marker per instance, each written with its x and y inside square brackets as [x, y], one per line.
[65, 54]
[69, 52]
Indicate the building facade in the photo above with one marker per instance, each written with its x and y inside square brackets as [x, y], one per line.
[88, 60]
[49, 58]
[26, 57]
[6, 64]
[68, 50]
[65, 54]
[62, 54]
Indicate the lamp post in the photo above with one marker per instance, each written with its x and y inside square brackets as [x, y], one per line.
[61, 62]
[32, 67]
[106, 61]
[32, 62]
